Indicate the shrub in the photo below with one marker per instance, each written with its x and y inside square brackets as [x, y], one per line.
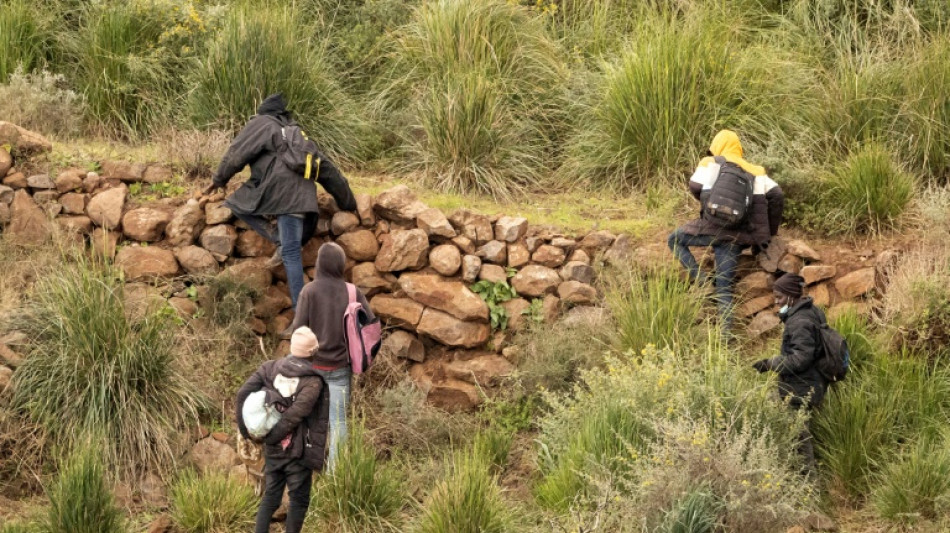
[467, 501]
[91, 368]
[916, 484]
[212, 502]
[197, 153]
[359, 492]
[40, 102]
[475, 89]
[552, 355]
[928, 99]
[25, 38]
[697, 512]
[254, 55]
[916, 307]
[871, 190]
[79, 499]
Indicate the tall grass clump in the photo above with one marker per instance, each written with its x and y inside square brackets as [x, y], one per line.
[360, 492]
[916, 484]
[928, 102]
[80, 500]
[468, 500]
[475, 91]
[656, 107]
[26, 37]
[91, 368]
[255, 54]
[871, 189]
[211, 503]
[916, 306]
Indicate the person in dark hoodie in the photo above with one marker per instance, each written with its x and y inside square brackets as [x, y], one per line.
[275, 191]
[296, 445]
[801, 384]
[322, 304]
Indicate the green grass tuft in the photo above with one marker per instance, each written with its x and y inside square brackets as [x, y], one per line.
[467, 501]
[871, 190]
[916, 484]
[80, 498]
[211, 503]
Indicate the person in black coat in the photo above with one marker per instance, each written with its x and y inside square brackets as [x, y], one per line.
[801, 384]
[275, 191]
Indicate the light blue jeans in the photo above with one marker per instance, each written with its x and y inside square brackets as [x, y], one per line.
[288, 236]
[338, 382]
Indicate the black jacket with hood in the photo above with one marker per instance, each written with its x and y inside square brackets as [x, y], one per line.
[307, 418]
[273, 189]
[801, 348]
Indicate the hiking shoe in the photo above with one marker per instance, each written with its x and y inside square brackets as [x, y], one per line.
[275, 260]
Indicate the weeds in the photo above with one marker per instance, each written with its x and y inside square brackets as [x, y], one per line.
[26, 38]
[80, 499]
[871, 190]
[917, 483]
[916, 307]
[212, 502]
[468, 500]
[41, 101]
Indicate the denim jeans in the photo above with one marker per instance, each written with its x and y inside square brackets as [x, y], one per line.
[288, 236]
[298, 479]
[338, 382]
[727, 259]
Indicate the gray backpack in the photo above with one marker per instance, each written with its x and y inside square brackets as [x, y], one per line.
[730, 198]
[296, 151]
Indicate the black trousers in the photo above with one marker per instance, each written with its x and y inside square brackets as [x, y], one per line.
[297, 478]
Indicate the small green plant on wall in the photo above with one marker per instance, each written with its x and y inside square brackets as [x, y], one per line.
[494, 294]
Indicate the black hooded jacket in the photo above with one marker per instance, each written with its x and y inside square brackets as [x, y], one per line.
[801, 348]
[274, 189]
[321, 305]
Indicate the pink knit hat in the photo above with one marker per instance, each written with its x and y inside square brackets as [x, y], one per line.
[303, 342]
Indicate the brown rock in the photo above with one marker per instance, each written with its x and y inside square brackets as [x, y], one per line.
[453, 297]
[197, 261]
[453, 395]
[156, 174]
[69, 180]
[816, 273]
[577, 293]
[403, 345]
[252, 244]
[471, 266]
[516, 308]
[75, 225]
[124, 171]
[211, 455]
[493, 273]
[579, 256]
[162, 524]
[105, 242]
[6, 194]
[364, 208]
[857, 283]
[433, 222]
[451, 331]
[6, 375]
[622, 251]
[251, 272]
[186, 224]
[484, 370]
[145, 224]
[359, 245]
[216, 213]
[820, 294]
[564, 243]
[141, 263]
[510, 229]
[45, 198]
[550, 307]
[4, 214]
[757, 282]
[763, 323]
[219, 240]
[15, 180]
[10, 357]
[271, 303]
[105, 208]
[399, 204]
[755, 305]
[326, 205]
[74, 203]
[799, 248]
[186, 307]
[445, 259]
[6, 162]
[40, 182]
[342, 222]
[28, 224]
[23, 140]
[494, 252]
[596, 241]
[403, 250]
[464, 244]
[396, 311]
[371, 281]
[535, 281]
[577, 271]
[790, 263]
[91, 182]
[473, 226]
[549, 256]
[518, 255]
[769, 258]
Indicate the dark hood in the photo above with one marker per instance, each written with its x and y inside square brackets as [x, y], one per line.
[804, 303]
[330, 261]
[273, 105]
[295, 367]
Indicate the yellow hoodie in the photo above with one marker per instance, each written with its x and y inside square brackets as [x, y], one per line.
[726, 143]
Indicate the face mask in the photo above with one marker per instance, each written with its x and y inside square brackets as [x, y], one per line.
[783, 310]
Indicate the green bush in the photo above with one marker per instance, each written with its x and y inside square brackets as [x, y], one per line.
[468, 500]
[475, 91]
[26, 37]
[92, 368]
[212, 502]
[916, 484]
[928, 99]
[871, 190]
[40, 102]
[80, 500]
[359, 492]
[255, 54]
[697, 512]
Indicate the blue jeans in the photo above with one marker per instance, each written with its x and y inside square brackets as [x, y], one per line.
[288, 236]
[338, 382]
[727, 259]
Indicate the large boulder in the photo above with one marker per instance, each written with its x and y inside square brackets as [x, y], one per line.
[371, 281]
[145, 224]
[359, 245]
[577, 293]
[75, 225]
[535, 281]
[216, 213]
[142, 263]
[763, 323]
[473, 226]
[451, 331]
[397, 311]
[816, 273]
[251, 272]
[516, 308]
[518, 255]
[549, 256]
[494, 252]
[857, 283]
[493, 273]
[156, 174]
[124, 171]
[219, 240]
[403, 250]
[105, 208]
[453, 297]
[445, 259]
[434, 223]
[399, 204]
[15, 180]
[270, 304]
[23, 141]
[186, 224]
[40, 182]
[364, 208]
[755, 305]
[510, 229]
[343, 221]
[6, 195]
[403, 345]
[28, 224]
[197, 261]
[801, 249]
[252, 244]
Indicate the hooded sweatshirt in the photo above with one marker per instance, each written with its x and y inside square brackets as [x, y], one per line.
[321, 305]
[768, 201]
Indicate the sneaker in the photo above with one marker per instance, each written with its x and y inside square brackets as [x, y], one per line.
[275, 260]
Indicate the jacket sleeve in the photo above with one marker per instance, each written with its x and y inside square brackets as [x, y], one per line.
[253, 384]
[776, 202]
[799, 355]
[333, 181]
[302, 313]
[304, 402]
[250, 143]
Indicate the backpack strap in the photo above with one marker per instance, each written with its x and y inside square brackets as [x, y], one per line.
[720, 159]
[351, 292]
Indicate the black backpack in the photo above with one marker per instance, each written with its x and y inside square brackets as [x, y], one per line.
[729, 199]
[835, 358]
[296, 151]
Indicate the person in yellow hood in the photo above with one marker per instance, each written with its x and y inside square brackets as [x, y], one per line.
[755, 211]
